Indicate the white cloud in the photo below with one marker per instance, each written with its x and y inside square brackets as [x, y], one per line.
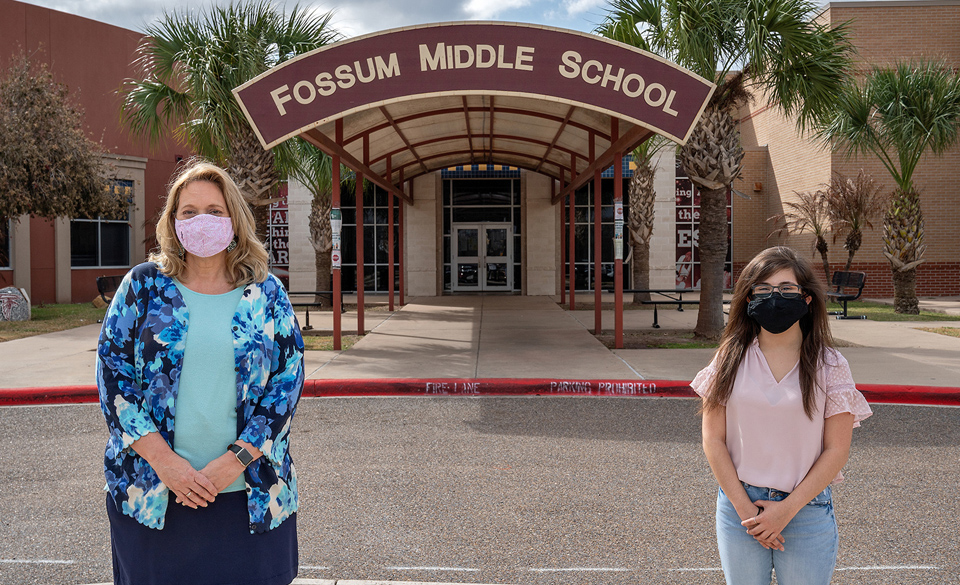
[364, 16]
[579, 6]
[487, 9]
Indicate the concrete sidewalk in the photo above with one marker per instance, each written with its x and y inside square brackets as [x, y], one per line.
[517, 337]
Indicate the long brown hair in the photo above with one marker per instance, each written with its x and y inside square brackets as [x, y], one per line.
[247, 263]
[741, 329]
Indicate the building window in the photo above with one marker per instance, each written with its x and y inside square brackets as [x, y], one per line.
[583, 216]
[102, 242]
[688, 235]
[480, 201]
[5, 232]
[375, 240]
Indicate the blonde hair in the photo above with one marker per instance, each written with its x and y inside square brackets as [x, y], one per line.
[247, 262]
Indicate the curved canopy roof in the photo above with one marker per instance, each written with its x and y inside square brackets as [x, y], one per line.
[398, 104]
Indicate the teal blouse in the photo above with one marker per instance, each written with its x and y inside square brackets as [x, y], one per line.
[206, 405]
[139, 363]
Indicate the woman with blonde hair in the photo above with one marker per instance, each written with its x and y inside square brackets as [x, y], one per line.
[779, 408]
[200, 367]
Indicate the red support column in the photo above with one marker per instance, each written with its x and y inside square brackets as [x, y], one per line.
[571, 211]
[360, 278]
[390, 198]
[336, 276]
[597, 256]
[618, 262]
[400, 237]
[563, 249]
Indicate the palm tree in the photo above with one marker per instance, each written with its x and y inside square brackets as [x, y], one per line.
[852, 205]
[897, 114]
[314, 169]
[189, 63]
[642, 200]
[809, 213]
[785, 54]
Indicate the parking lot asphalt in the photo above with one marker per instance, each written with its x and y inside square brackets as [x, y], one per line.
[491, 489]
[538, 490]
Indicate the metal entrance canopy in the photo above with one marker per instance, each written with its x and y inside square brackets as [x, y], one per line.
[398, 104]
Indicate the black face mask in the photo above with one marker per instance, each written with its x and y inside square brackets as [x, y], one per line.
[775, 313]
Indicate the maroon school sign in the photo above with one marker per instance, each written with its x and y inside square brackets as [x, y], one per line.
[465, 58]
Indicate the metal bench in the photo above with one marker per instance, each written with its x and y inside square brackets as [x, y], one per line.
[846, 286]
[671, 297]
[314, 293]
[107, 285]
[680, 303]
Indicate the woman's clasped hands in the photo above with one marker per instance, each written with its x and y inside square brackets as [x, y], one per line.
[765, 526]
[192, 488]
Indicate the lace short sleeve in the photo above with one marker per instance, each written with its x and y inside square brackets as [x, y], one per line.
[842, 393]
[703, 381]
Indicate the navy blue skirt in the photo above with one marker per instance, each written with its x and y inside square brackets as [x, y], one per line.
[206, 546]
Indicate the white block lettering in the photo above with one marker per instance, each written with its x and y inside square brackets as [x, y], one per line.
[524, 56]
[280, 100]
[437, 59]
[570, 64]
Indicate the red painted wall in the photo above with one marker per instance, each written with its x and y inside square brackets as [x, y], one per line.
[43, 275]
[92, 58]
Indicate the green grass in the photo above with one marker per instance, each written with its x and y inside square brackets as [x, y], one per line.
[325, 342]
[950, 331]
[60, 317]
[687, 345]
[882, 312]
[51, 318]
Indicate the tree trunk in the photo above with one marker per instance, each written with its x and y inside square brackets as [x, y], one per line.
[849, 264]
[713, 254]
[641, 270]
[712, 158]
[905, 292]
[324, 275]
[321, 238]
[822, 248]
[852, 244]
[903, 246]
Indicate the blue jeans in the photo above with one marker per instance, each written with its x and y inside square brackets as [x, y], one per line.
[810, 543]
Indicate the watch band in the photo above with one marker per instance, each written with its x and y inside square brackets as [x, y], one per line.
[243, 456]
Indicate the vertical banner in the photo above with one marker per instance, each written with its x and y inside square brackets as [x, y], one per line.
[618, 230]
[336, 225]
[278, 238]
[688, 235]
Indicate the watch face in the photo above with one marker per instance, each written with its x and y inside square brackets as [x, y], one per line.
[243, 456]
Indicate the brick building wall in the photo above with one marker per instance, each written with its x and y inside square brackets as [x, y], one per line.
[92, 58]
[884, 33]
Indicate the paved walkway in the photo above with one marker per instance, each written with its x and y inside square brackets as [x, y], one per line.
[474, 337]
[517, 337]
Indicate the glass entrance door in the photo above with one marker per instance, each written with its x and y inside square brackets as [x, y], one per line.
[482, 257]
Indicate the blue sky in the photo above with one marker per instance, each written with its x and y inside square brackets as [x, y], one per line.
[362, 16]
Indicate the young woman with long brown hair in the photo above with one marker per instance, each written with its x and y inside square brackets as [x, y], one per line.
[779, 408]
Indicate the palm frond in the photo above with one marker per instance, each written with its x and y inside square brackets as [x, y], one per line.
[897, 114]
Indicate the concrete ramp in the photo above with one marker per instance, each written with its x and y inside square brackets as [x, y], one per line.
[482, 336]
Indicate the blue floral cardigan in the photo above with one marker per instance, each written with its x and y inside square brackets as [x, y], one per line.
[138, 371]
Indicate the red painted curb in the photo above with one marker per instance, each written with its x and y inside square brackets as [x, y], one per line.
[874, 393]
[52, 395]
[496, 387]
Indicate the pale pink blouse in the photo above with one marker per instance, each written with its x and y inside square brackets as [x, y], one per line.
[771, 440]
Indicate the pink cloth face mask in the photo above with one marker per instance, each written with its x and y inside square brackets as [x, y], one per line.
[205, 235]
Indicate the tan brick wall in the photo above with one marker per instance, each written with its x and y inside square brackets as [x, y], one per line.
[883, 32]
[750, 225]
